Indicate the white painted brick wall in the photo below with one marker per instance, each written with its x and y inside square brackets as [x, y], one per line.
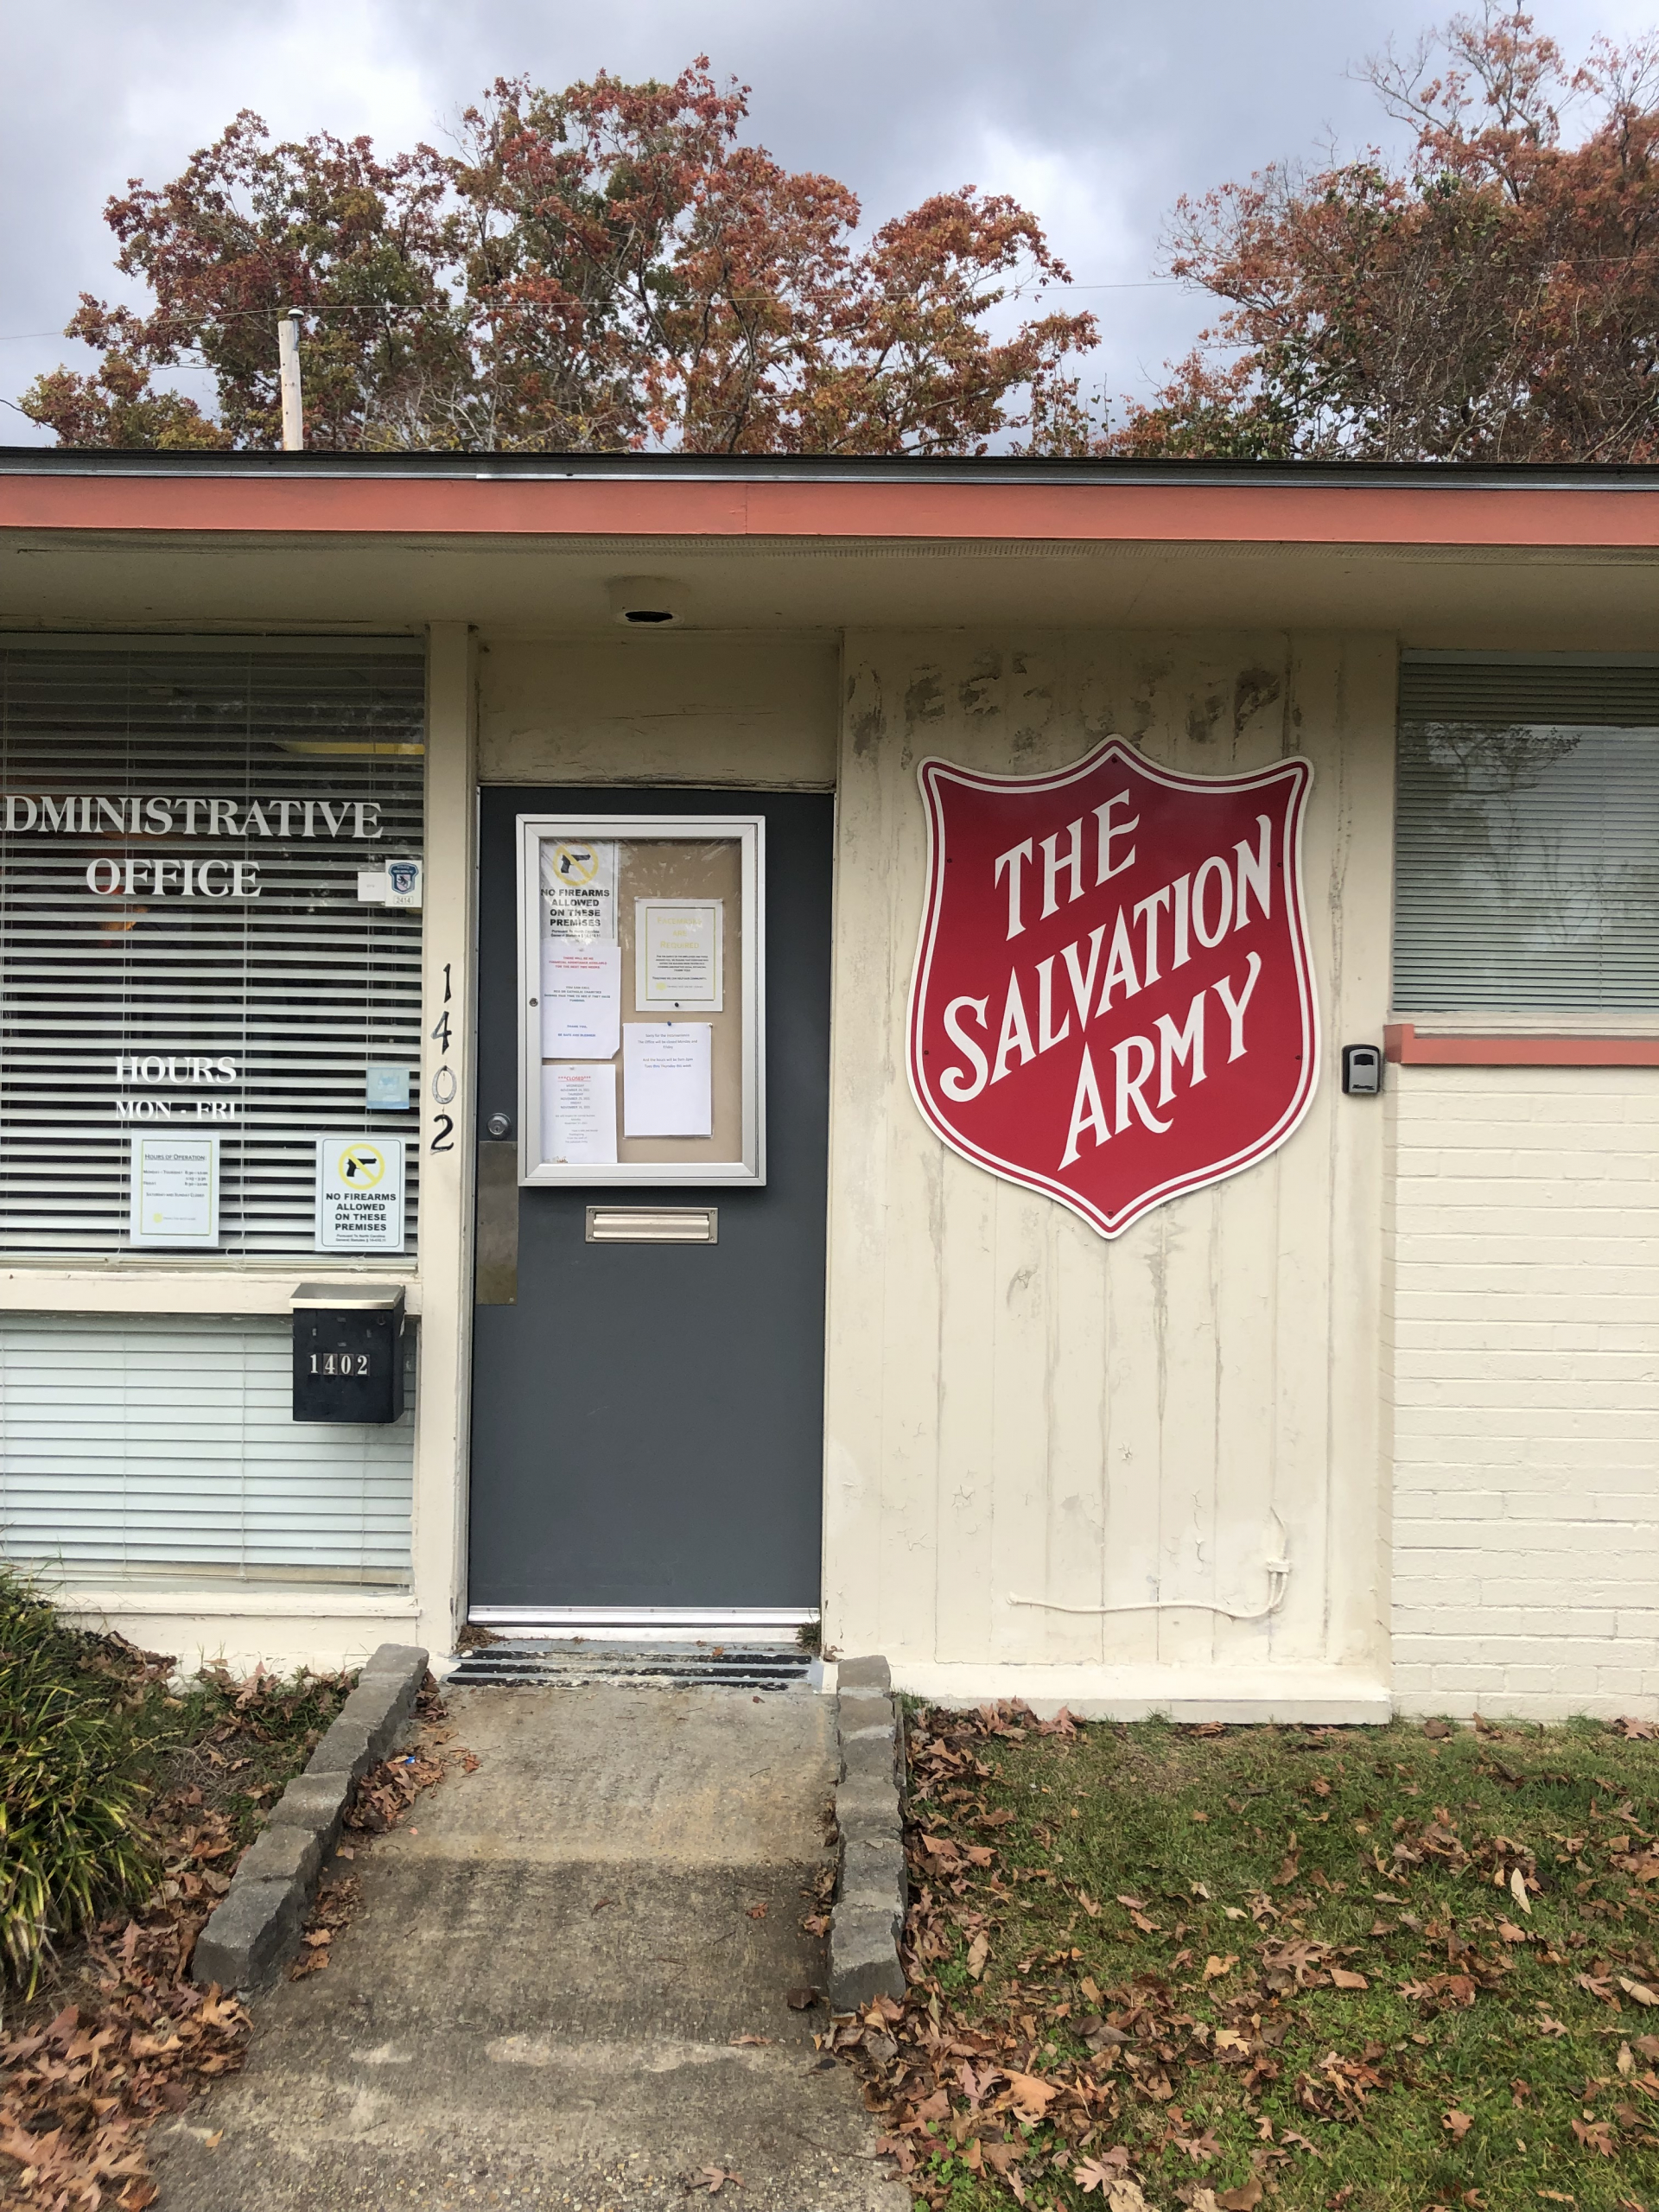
[1525, 1375]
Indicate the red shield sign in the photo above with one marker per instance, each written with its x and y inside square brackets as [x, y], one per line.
[1113, 1000]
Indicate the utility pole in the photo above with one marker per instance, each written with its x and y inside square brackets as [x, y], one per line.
[288, 357]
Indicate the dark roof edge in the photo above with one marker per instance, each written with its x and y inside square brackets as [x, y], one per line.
[60, 460]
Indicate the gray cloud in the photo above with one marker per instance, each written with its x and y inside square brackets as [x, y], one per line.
[1098, 114]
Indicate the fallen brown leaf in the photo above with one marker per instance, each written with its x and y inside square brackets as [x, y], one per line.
[78, 2095]
[1032, 2095]
[1457, 2124]
[1095, 2173]
[1107, 2173]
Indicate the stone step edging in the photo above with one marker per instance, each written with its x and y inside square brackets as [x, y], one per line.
[255, 1929]
[871, 1891]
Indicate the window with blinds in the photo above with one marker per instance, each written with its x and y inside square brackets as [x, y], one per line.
[190, 934]
[1527, 836]
[164, 1446]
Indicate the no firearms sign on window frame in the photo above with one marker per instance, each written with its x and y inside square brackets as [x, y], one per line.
[1113, 1000]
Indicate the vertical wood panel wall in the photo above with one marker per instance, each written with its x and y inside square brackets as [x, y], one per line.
[1017, 1407]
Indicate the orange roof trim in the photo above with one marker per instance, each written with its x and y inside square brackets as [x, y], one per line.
[1622, 514]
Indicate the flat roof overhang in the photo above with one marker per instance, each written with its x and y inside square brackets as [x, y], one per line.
[1438, 554]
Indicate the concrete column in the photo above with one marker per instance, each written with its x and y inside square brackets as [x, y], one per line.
[446, 1135]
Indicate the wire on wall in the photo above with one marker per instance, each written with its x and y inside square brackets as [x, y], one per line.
[1278, 1572]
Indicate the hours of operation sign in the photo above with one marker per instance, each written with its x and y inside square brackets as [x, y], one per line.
[359, 1194]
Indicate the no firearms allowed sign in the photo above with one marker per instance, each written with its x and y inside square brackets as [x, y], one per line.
[359, 1194]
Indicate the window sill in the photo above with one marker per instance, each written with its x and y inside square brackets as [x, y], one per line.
[1403, 1045]
[126, 1600]
[52, 1287]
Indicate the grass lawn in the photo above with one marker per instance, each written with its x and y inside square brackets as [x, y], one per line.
[1376, 1969]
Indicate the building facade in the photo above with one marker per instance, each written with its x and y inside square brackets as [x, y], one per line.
[514, 885]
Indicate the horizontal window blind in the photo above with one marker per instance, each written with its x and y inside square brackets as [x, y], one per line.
[162, 1446]
[287, 771]
[1526, 837]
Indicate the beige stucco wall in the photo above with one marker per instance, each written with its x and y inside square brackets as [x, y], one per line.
[1524, 1319]
[1017, 1407]
[650, 707]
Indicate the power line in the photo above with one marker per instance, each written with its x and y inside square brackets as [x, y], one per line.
[401, 307]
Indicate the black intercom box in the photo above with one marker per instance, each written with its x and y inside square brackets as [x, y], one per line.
[348, 1351]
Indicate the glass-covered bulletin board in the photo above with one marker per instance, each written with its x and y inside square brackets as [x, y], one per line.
[641, 998]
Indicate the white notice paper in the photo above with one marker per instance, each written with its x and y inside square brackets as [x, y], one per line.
[579, 890]
[579, 1112]
[667, 1080]
[175, 1191]
[581, 1000]
[677, 956]
[359, 1194]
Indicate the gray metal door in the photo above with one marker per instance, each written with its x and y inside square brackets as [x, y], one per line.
[700, 1486]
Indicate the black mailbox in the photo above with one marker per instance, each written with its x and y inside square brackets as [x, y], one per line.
[348, 1351]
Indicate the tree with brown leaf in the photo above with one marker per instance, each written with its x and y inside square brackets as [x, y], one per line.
[1494, 298]
[605, 268]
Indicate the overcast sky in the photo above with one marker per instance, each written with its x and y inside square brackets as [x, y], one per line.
[1097, 113]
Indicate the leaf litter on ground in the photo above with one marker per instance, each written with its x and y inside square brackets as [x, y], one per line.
[118, 2037]
[1319, 1994]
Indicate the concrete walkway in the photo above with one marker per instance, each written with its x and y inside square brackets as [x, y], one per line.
[538, 2004]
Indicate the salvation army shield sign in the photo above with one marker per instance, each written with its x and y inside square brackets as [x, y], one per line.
[1113, 1000]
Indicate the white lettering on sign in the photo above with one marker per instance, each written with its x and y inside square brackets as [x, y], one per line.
[167, 874]
[183, 1069]
[357, 819]
[339, 1362]
[108, 878]
[1202, 908]
[1114, 1000]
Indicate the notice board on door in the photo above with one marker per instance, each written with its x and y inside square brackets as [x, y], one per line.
[641, 998]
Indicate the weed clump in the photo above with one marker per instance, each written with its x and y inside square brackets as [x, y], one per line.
[70, 1837]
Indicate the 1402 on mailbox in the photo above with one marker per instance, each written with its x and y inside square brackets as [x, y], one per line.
[348, 1351]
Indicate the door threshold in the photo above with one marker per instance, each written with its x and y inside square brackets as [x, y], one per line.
[647, 1624]
[567, 1663]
